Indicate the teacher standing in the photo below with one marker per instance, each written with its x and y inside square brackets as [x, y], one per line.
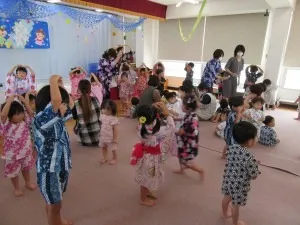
[233, 69]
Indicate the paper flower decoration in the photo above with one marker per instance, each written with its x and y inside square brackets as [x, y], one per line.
[142, 120]
[68, 21]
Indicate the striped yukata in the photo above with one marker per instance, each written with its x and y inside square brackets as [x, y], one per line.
[54, 154]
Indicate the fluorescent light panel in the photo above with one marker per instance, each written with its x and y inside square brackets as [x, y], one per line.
[99, 10]
[54, 1]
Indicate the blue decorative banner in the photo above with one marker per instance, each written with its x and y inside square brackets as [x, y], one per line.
[31, 10]
[21, 33]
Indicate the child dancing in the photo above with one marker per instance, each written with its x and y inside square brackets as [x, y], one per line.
[53, 147]
[109, 131]
[148, 155]
[17, 148]
[126, 90]
[76, 74]
[188, 136]
[20, 80]
[236, 104]
[222, 112]
[268, 135]
[269, 94]
[141, 83]
[96, 88]
[241, 167]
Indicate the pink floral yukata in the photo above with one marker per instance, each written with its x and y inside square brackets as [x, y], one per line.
[149, 171]
[126, 90]
[97, 91]
[75, 79]
[17, 151]
[15, 85]
[141, 84]
[107, 132]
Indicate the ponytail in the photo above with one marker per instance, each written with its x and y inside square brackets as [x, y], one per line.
[85, 104]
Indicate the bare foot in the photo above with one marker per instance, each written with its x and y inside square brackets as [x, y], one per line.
[18, 193]
[112, 162]
[103, 161]
[297, 119]
[31, 186]
[152, 196]
[65, 222]
[228, 213]
[181, 171]
[148, 202]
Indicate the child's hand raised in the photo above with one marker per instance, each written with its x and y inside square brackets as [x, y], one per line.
[21, 99]
[55, 79]
[11, 98]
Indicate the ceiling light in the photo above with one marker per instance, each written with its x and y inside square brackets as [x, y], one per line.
[54, 1]
[178, 4]
[99, 10]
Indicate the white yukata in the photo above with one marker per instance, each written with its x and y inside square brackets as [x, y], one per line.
[257, 116]
[269, 95]
[177, 107]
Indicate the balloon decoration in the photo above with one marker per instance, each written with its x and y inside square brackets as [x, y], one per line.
[31, 10]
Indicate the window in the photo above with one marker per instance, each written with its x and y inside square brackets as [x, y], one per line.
[292, 79]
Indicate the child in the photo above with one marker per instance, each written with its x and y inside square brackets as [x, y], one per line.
[222, 112]
[241, 167]
[255, 115]
[220, 129]
[188, 136]
[125, 92]
[236, 104]
[174, 106]
[134, 102]
[163, 98]
[131, 74]
[148, 155]
[298, 101]
[252, 74]
[109, 131]
[269, 94]
[76, 75]
[17, 148]
[141, 83]
[189, 71]
[219, 81]
[20, 80]
[86, 112]
[268, 135]
[96, 88]
[53, 146]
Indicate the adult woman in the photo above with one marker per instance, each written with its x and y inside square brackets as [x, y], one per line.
[109, 70]
[233, 69]
[151, 94]
[158, 66]
[212, 68]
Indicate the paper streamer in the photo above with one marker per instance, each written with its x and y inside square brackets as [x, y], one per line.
[197, 22]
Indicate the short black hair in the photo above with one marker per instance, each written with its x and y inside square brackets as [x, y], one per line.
[76, 71]
[187, 83]
[267, 82]
[256, 89]
[191, 64]
[218, 53]
[153, 81]
[202, 86]
[170, 95]
[190, 102]
[159, 71]
[236, 101]
[135, 101]
[165, 92]
[268, 120]
[111, 105]
[15, 109]
[143, 70]
[224, 103]
[43, 98]
[243, 132]
[263, 86]
[258, 99]
[253, 68]
[205, 99]
[31, 97]
[239, 48]
[21, 69]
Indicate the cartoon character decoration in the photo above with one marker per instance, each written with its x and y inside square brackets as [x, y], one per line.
[40, 35]
[3, 34]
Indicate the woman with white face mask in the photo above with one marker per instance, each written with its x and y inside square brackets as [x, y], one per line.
[233, 70]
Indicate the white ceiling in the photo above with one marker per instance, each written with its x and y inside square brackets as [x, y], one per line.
[173, 2]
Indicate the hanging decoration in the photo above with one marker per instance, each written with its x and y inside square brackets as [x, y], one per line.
[68, 21]
[114, 34]
[30, 10]
[197, 22]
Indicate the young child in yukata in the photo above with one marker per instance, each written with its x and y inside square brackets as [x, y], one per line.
[269, 94]
[76, 74]
[17, 148]
[125, 93]
[241, 167]
[220, 129]
[222, 112]
[188, 137]
[174, 106]
[134, 102]
[20, 80]
[298, 109]
[268, 135]
[255, 115]
[96, 88]
[141, 83]
[236, 104]
[53, 146]
[253, 72]
[109, 131]
[148, 155]
[189, 71]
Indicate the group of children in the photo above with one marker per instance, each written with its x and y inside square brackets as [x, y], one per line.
[170, 128]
